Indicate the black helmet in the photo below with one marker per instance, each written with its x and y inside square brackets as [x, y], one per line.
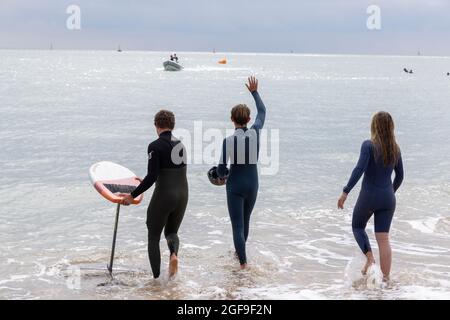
[214, 177]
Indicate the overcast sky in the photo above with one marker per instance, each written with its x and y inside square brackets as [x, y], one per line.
[303, 26]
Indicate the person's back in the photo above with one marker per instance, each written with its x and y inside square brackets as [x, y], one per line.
[377, 174]
[161, 154]
[166, 168]
[241, 151]
[172, 174]
[171, 184]
[379, 157]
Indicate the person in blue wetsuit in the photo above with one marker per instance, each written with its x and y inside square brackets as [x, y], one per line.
[241, 150]
[379, 157]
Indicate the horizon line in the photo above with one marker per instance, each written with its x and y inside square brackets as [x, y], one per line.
[293, 53]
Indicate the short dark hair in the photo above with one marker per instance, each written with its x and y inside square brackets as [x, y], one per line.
[165, 119]
[240, 114]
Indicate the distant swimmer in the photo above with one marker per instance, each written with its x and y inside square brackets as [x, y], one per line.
[166, 167]
[241, 150]
[448, 73]
[408, 71]
[379, 157]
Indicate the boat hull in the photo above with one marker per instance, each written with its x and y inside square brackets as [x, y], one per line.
[172, 66]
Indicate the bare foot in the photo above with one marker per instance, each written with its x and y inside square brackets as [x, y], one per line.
[243, 266]
[173, 265]
[386, 279]
[370, 261]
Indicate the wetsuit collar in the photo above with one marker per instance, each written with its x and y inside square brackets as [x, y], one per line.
[166, 134]
[243, 129]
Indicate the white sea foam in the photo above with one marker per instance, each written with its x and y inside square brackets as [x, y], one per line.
[424, 225]
[215, 232]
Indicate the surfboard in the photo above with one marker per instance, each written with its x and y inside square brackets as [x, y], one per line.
[111, 179]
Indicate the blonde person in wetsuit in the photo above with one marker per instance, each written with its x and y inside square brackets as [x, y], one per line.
[379, 158]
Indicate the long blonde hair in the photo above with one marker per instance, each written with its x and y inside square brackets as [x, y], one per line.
[383, 138]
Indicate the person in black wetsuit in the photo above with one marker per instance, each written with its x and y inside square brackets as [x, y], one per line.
[166, 167]
[379, 157]
[241, 150]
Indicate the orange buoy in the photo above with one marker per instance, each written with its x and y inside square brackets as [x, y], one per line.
[223, 61]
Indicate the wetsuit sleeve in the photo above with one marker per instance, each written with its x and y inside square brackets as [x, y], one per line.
[261, 116]
[222, 169]
[398, 174]
[360, 168]
[152, 172]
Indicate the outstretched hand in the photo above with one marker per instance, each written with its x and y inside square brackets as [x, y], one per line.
[341, 200]
[252, 85]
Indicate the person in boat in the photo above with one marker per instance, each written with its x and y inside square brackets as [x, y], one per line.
[172, 58]
[175, 57]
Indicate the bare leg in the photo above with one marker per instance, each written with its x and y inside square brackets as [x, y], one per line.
[385, 253]
[370, 261]
[173, 265]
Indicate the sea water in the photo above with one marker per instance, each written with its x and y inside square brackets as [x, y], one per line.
[62, 111]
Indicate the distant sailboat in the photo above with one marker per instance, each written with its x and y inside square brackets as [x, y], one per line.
[51, 46]
[419, 53]
[119, 49]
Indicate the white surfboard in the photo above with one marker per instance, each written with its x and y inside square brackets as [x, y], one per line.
[112, 181]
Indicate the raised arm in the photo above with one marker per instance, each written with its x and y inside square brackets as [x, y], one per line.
[398, 174]
[360, 168]
[252, 86]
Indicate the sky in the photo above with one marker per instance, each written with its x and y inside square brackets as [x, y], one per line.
[300, 26]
